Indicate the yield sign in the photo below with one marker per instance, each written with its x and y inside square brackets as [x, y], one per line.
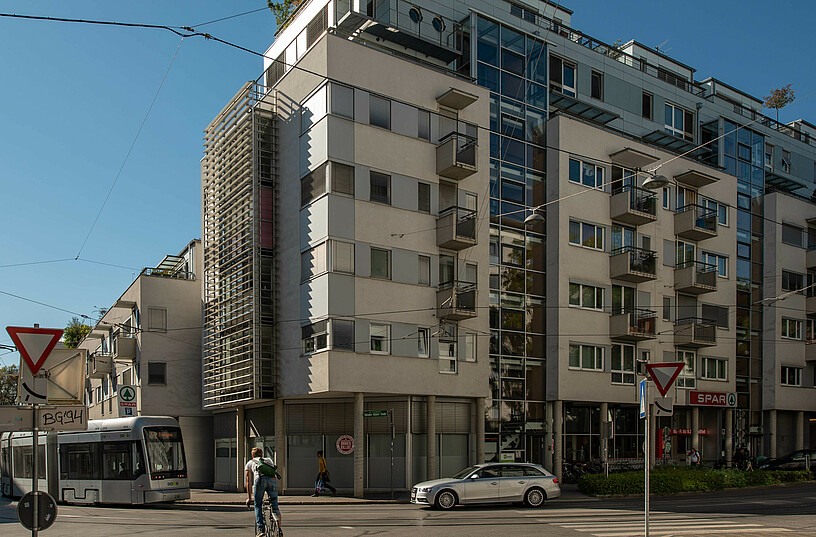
[663, 375]
[34, 344]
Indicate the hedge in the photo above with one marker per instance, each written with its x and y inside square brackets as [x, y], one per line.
[674, 480]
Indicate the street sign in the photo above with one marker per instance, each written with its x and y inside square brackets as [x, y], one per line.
[664, 374]
[14, 418]
[374, 413]
[720, 399]
[731, 400]
[34, 344]
[345, 445]
[65, 371]
[31, 389]
[127, 401]
[664, 406]
[62, 418]
[642, 398]
[46, 510]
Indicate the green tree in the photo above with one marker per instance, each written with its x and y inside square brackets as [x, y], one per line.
[74, 332]
[8, 385]
[779, 98]
[283, 10]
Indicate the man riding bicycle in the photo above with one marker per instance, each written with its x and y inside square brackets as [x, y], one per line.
[262, 484]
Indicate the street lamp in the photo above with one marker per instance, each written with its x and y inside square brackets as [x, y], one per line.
[655, 182]
[535, 217]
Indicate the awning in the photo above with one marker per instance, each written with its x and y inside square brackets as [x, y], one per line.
[783, 181]
[669, 141]
[581, 109]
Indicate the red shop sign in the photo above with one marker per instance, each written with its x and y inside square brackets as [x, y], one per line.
[708, 398]
[686, 432]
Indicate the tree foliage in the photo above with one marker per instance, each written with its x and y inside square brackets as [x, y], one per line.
[779, 98]
[74, 332]
[8, 385]
[283, 10]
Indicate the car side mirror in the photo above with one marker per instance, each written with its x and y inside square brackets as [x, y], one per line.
[475, 476]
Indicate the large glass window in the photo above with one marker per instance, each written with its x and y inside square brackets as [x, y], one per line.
[679, 122]
[588, 357]
[586, 235]
[623, 364]
[562, 76]
[586, 296]
[165, 454]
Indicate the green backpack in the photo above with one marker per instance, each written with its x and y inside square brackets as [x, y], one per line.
[265, 469]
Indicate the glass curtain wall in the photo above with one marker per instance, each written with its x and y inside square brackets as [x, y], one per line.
[743, 154]
[514, 67]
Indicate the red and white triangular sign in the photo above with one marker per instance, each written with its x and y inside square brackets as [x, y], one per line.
[664, 375]
[34, 344]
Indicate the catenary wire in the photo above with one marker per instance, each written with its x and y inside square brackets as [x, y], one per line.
[231, 16]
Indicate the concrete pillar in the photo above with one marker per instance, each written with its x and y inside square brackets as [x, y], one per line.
[695, 428]
[359, 445]
[729, 435]
[240, 435]
[558, 437]
[548, 436]
[800, 430]
[430, 403]
[604, 441]
[280, 443]
[772, 433]
[651, 434]
[480, 430]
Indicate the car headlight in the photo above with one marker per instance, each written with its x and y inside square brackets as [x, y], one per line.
[424, 489]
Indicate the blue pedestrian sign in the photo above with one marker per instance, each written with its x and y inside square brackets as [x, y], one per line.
[642, 398]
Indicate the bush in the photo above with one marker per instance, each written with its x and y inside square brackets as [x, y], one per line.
[674, 480]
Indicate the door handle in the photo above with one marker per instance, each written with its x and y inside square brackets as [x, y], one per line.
[522, 482]
[494, 483]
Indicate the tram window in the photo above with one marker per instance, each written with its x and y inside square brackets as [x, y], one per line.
[24, 461]
[140, 465]
[82, 461]
[116, 460]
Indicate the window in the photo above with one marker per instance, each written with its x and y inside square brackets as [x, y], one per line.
[156, 373]
[379, 112]
[679, 122]
[380, 263]
[791, 281]
[716, 314]
[586, 235]
[586, 296]
[667, 308]
[791, 328]
[597, 85]
[666, 198]
[313, 185]
[810, 330]
[313, 109]
[315, 337]
[718, 260]
[623, 299]
[793, 235]
[380, 188]
[313, 262]
[719, 208]
[342, 178]
[587, 357]
[470, 347]
[714, 369]
[687, 378]
[769, 156]
[424, 126]
[342, 256]
[424, 197]
[342, 101]
[684, 254]
[786, 161]
[447, 356]
[342, 334]
[157, 319]
[424, 270]
[791, 376]
[562, 76]
[647, 105]
[116, 460]
[584, 173]
[380, 338]
[423, 342]
[623, 364]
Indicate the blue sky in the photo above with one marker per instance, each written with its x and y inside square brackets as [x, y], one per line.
[75, 95]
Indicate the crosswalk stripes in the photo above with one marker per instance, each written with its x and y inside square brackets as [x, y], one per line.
[629, 523]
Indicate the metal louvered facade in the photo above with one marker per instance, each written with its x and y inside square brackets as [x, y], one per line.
[239, 197]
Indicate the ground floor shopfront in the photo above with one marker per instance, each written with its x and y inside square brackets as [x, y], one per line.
[397, 441]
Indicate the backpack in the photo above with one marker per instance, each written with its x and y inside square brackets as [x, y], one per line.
[265, 469]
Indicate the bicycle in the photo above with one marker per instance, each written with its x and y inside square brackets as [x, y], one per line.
[271, 523]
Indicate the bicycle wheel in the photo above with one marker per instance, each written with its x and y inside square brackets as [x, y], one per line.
[268, 521]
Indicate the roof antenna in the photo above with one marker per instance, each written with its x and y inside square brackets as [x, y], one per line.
[657, 48]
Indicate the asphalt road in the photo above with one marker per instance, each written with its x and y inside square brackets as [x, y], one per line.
[771, 511]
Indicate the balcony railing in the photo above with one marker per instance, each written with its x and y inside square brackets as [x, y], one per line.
[695, 277]
[695, 222]
[810, 258]
[456, 228]
[633, 264]
[124, 347]
[633, 325]
[168, 273]
[633, 205]
[456, 155]
[456, 300]
[695, 332]
[99, 365]
[810, 351]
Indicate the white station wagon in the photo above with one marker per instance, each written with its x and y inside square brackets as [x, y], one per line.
[496, 482]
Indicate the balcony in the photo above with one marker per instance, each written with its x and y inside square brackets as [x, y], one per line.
[633, 205]
[694, 332]
[124, 348]
[810, 259]
[456, 156]
[456, 301]
[810, 303]
[456, 228]
[695, 178]
[633, 264]
[695, 222]
[695, 277]
[99, 365]
[635, 325]
[810, 351]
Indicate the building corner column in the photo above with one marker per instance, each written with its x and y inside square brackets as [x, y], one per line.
[729, 437]
[280, 442]
[695, 428]
[548, 436]
[772, 433]
[558, 425]
[604, 440]
[240, 435]
[800, 430]
[480, 430]
[430, 402]
[359, 445]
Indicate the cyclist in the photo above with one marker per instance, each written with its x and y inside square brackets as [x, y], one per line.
[262, 484]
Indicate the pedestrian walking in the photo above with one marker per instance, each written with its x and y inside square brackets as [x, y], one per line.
[323, 480]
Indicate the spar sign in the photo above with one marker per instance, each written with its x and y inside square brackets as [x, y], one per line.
[720, 399]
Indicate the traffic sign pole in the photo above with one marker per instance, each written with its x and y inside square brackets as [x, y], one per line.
[646, 458]
[35, 477]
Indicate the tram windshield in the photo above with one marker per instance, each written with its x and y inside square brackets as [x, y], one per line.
[165, 452]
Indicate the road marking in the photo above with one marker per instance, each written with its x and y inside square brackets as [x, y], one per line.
[639, 531]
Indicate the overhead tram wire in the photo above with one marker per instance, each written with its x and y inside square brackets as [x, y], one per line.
[231, 16]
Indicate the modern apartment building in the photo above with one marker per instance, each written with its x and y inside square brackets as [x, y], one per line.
[150, 338]
[439, 209]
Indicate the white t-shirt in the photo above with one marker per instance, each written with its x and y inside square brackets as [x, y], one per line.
[252, 466]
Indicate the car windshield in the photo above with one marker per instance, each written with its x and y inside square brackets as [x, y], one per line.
[461, 474]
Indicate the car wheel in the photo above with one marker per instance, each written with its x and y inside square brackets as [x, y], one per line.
[535, 497]
[446, 500]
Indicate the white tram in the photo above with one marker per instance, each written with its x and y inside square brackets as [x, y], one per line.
[116, 461]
